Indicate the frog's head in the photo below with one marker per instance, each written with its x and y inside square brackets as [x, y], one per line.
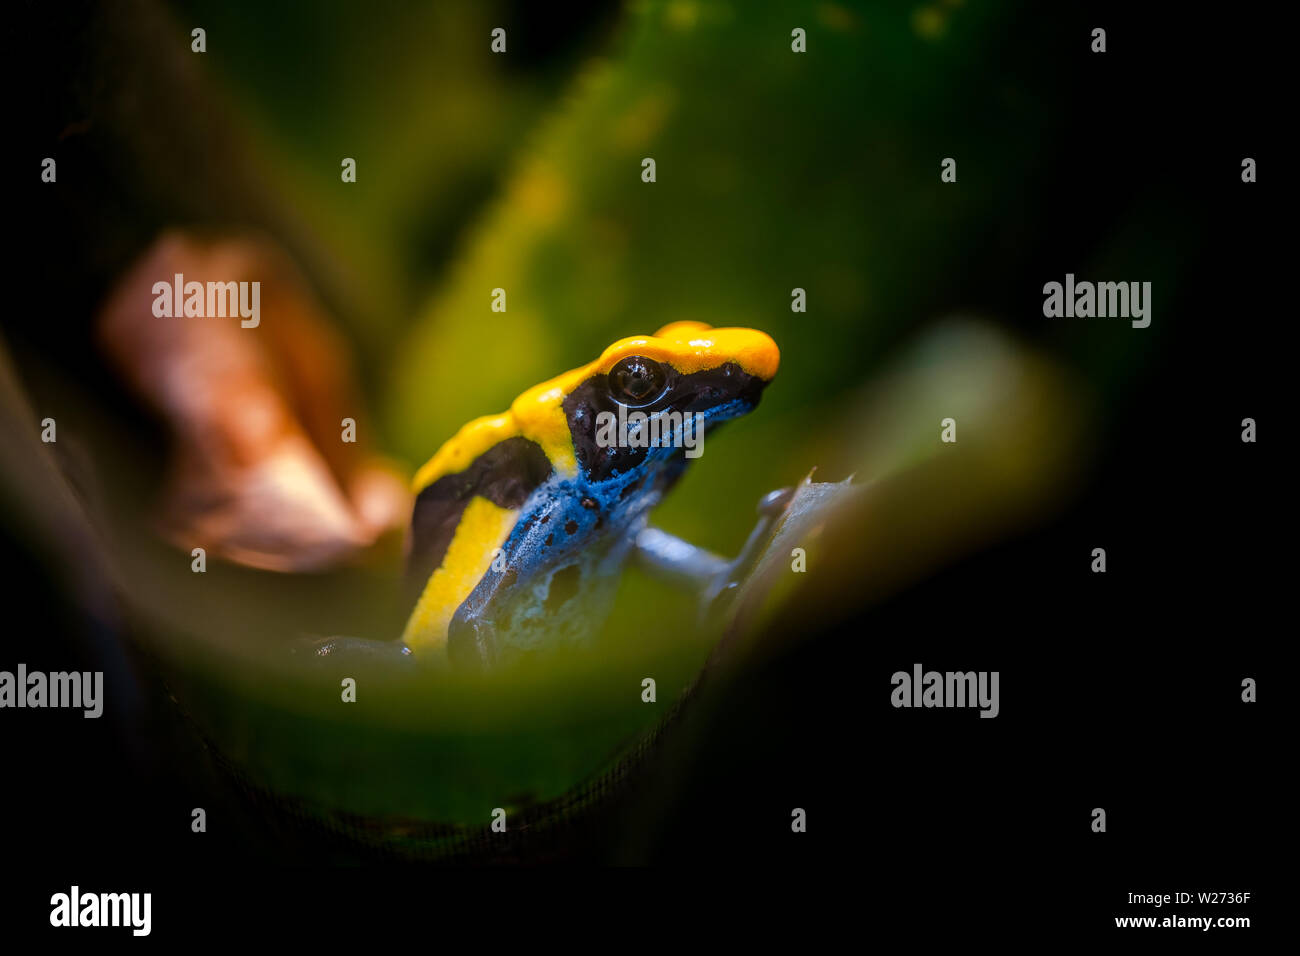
[685, 379]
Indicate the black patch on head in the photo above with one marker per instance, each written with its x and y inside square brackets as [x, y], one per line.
[505, 475]
[570, 526]
[696, 392]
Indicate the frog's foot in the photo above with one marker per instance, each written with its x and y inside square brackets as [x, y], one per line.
[665, 554]
[354, 649]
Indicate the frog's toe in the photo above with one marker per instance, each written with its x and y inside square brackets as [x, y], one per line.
[774, 503]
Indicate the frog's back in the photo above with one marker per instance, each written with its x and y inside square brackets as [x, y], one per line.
[468, 499]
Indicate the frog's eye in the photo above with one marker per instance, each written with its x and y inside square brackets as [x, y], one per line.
[637, 380]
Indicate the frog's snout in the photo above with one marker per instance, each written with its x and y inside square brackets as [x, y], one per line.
[759, 354]
[696, 346]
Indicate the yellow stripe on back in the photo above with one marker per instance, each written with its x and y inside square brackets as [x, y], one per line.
[483, 528]
[459, 451]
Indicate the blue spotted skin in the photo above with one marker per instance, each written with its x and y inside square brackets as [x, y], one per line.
[564, 557]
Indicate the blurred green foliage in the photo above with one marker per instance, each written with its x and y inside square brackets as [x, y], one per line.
[816, 170]
[775, 170]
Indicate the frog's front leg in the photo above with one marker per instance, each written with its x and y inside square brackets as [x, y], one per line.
[548, 585]
[665, 554]
[471, 633]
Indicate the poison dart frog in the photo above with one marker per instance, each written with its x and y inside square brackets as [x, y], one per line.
[524, 520]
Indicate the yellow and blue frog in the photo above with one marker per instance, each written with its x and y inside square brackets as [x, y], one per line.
[524, 520]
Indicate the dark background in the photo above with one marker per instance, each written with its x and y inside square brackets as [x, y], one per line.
[1119, 691]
